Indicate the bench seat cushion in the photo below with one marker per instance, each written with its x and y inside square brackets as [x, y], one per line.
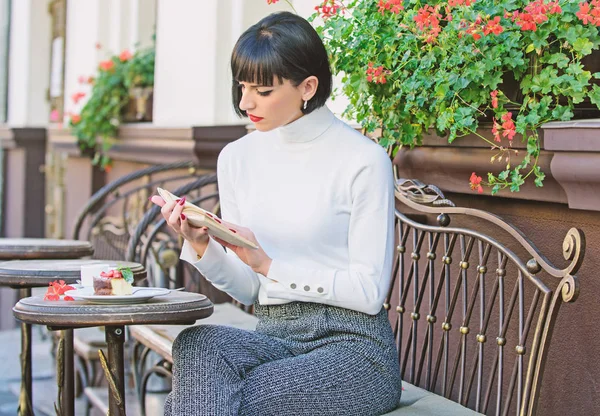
[420, 402]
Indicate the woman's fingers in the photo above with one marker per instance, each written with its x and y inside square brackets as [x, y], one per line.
[167, 208]
[184, 225]
[175, 215]
[156, 199]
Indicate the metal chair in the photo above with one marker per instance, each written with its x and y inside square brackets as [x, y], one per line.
[108, 220]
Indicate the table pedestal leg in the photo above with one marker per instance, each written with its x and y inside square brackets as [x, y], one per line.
[114, 369]
[25, 396]
[68, 393]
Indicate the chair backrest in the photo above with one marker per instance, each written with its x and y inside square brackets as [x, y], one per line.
[472, 319]
[155, 245]
[112, 213]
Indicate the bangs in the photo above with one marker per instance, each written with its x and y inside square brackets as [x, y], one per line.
[256, 61]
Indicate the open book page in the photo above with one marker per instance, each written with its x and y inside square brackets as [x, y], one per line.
[201, 218]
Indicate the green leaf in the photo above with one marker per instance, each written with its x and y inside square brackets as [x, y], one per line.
[530, 48]
[516, 181]
[539, 177]
[127, 274]
[503, 175]
[559, 59]
[495, 189]
[594, 95]
[562, 112]
[583, 46]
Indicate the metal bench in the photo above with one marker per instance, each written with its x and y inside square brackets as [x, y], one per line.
[472, 307]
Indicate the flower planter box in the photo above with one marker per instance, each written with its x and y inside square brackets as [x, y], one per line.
[584, 110]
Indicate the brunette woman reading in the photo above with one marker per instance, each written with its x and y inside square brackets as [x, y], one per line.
[317, 198]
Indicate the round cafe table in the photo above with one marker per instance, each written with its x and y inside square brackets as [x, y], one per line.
[27, 274]
[36, 248]
[43, 248]
[176, 308]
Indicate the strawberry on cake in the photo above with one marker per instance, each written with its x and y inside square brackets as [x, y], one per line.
[114, 282]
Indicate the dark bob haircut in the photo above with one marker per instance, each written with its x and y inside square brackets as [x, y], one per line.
[285, 46]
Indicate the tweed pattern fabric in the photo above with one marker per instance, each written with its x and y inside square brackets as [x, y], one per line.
[303, 359]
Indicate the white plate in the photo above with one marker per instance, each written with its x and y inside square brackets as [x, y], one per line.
[140, 295]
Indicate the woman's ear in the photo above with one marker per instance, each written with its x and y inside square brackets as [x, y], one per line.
[309, 87]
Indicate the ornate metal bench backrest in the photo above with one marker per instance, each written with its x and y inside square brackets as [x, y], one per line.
[113, 212]
[473, 320]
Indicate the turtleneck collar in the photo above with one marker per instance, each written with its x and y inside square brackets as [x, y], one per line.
[307, 128]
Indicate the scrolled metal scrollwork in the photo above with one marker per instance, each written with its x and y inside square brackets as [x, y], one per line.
[422, 193]
[569, 288]
[573, 248]
[419, 196]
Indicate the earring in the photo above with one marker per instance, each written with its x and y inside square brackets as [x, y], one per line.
[305, 104]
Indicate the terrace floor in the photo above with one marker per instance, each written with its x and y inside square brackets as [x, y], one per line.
[44, 384]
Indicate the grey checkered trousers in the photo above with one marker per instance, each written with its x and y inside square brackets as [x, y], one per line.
[303, 359]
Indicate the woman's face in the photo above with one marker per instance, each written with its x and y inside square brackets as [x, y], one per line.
[269, 107]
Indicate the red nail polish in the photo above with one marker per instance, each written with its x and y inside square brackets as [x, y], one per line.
[182, 216]
[217, 220]
[232, 230]
[182, 201]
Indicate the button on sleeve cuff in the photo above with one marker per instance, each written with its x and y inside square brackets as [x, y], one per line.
[300, 281]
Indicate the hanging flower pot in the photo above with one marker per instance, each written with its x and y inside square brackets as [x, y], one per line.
[140, 105]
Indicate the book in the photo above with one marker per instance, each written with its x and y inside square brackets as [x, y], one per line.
[202, 218]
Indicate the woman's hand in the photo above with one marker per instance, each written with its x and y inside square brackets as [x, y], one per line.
[173, 215]
[257, 259]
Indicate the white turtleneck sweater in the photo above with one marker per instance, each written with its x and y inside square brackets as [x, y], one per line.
[319, 197]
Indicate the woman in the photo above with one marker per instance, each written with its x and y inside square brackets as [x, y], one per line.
[317, 197]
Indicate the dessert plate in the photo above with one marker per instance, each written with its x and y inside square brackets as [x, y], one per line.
[139, 295]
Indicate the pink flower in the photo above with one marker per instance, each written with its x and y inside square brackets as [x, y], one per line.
[125, 55]
[77, 96]
[54, 115]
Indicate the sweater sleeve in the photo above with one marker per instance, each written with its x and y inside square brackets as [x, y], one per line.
[361, 286]
[223, 268]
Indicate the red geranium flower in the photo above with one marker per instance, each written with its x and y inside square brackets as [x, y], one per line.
[394, 6]
[509, 126]
[75, 118]
[475, 183]
[107, 65]
[57, 289]
[494, 95]
[493, 26]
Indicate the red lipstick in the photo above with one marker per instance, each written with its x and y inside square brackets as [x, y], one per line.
[254, 119]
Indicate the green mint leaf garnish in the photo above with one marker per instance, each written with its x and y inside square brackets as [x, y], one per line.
[127, 274]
